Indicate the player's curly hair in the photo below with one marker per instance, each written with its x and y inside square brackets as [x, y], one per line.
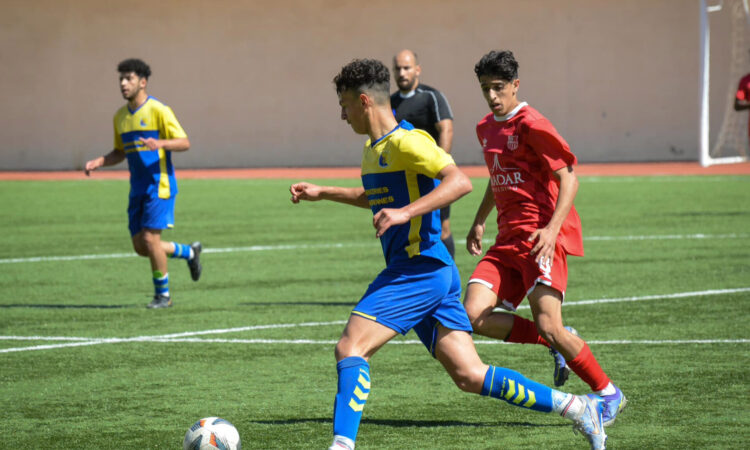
[135, 65]
[365, 75]
[498, 63]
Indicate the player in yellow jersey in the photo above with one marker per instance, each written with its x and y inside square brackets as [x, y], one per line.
[406, 179]
[146, 134]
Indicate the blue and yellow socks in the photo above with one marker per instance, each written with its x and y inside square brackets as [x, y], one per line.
[182, 251]
[161, 283]
[353, 389]
[516, 389]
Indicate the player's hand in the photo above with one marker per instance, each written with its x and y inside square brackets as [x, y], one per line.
[474, 239]
[151, 143]
[544, 249]
[91, 166]
[305, 191]
[388, 217]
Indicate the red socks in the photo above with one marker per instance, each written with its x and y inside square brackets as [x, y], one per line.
[524, 332]
[588, 369]
[584, 365]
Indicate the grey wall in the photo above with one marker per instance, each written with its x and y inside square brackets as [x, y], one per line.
[251, 80]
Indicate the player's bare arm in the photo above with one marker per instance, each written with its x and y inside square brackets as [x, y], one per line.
[476, 232]
[454, 185]
[173, 145]
[547, 237]
[445, 137]
[741, 105]
[110, 159]
[354, 196]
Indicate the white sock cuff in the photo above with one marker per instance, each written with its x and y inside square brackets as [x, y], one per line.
[342, 441]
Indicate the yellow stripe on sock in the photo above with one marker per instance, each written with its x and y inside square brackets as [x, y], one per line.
[359, 394]
[531, 401]
[521, 395]
[511, 390]
[364, 382]
[356, 406]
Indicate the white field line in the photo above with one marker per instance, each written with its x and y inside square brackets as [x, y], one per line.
[261, 248]
[478, 342]
[653, 297]
[186, 336]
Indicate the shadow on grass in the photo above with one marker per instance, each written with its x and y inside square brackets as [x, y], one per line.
[400, 423]
[51, 306]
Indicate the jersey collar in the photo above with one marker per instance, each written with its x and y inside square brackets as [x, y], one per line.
[511, 114]
[403, 124]
[133, 111]
[409, 94]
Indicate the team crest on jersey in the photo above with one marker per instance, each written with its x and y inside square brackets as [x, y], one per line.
[143, 123]
[383, 159]
[484, 142]
[512, 142]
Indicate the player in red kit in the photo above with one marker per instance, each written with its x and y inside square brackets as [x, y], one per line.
[742, 98]
[532, 184]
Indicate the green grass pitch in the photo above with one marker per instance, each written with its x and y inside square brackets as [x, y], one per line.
[271, 266]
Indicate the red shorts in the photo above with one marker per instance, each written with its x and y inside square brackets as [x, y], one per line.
[511, 272]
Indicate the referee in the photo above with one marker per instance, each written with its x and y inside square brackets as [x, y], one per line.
[427, 109]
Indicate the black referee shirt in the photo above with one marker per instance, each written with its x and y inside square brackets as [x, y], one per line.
[424, 109]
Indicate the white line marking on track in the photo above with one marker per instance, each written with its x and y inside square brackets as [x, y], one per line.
[186, 336]
[261, 248]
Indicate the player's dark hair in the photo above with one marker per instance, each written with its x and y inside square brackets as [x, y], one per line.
[135, 65]
[500, 64]
[365, 75]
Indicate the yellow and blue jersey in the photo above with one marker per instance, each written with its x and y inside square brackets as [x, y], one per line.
[398, 169]
[151, 171]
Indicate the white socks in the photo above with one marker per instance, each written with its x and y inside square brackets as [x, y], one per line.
[341, 443]
[609, 390]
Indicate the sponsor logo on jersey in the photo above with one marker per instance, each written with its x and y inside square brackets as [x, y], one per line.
[504, 178]
[512, 142]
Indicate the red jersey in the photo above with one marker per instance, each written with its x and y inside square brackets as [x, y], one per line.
[743, 92]
[522, 150]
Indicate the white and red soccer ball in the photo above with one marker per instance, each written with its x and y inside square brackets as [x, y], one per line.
[212, 433]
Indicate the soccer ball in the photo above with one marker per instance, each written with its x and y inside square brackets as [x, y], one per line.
[212, 433]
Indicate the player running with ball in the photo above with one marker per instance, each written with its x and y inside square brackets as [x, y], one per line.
[532, 185]
[406, 179]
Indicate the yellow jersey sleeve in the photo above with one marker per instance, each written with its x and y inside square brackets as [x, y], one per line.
[169, 124]
[420, 153]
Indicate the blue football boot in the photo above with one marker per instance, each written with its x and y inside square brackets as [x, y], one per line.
[590, 422]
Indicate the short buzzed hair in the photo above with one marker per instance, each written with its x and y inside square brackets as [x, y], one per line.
[365, 76]
[501, 64]
[413, 53]
[136, 66]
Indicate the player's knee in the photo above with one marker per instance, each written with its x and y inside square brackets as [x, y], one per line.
[477, 315]
[468, 379]
[344, 349]
[139, 247]
[151, 241]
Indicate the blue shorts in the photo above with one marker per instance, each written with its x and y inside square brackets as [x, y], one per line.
[416, 294]
[146, 212]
